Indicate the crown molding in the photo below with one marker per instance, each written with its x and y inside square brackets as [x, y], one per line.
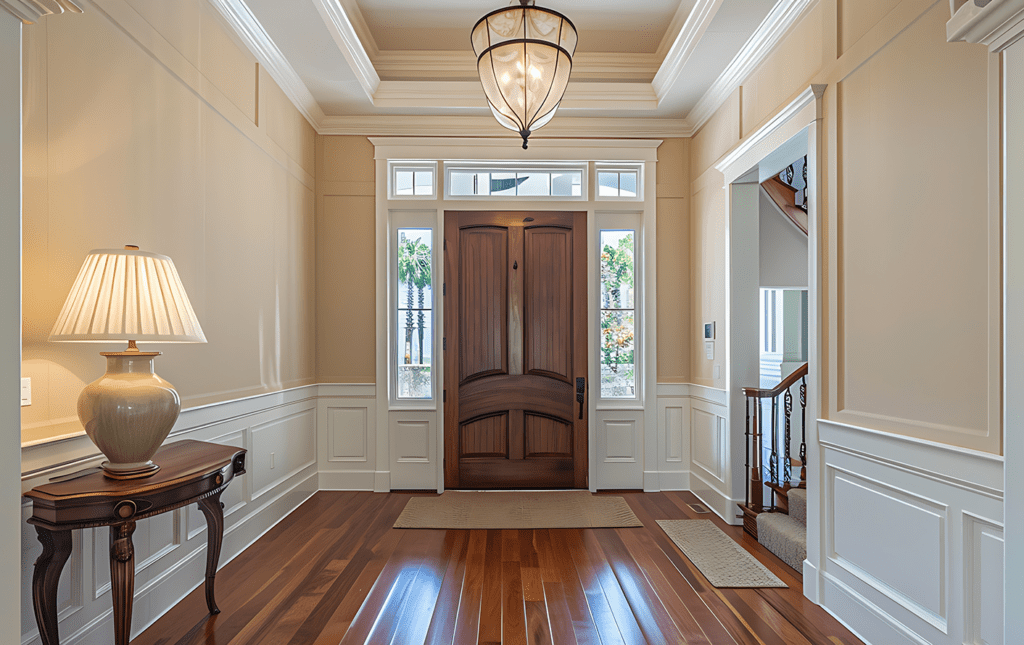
[362, 28]
[763, 41]
[685, 44]
[30, 11]
[241, 20]
[997, 25]
[486, 126]
[344, 33]
[470, 94]
[433, 65]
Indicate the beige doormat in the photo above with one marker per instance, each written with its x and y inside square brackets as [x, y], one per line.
[517, 510]
[723, 562]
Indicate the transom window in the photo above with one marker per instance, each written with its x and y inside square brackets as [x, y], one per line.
[532, 182]
[413, 180]
[618, 183]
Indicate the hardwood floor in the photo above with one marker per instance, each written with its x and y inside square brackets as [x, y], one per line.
[334, 571]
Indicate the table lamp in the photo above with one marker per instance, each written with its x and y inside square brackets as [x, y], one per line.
[135, 296]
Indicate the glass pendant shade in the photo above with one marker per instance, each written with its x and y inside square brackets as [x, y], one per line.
[524, 56]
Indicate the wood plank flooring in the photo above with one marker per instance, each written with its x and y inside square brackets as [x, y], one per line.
[334, 571]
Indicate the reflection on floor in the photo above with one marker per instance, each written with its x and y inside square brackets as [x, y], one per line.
[334, 571]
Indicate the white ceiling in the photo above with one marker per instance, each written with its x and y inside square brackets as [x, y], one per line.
[376, 62]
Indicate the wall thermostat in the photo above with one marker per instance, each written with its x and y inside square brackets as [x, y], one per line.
[709, 331]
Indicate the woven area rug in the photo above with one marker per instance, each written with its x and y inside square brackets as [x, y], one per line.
[723, 562]
[516, 510]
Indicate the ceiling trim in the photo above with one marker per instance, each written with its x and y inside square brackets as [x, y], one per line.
[997, 24]
[414, 65]
[30, 11]
[362, 28]
[245, 25]
[345, 36]
[754, 52]
[486, 126]
[470, 94]
[685, 44]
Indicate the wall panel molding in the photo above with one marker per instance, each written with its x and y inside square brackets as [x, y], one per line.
[912, 537]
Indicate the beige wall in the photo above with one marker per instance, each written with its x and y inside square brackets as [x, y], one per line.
[910, 228]
[674, 324]
[345, 267]
[147, 124]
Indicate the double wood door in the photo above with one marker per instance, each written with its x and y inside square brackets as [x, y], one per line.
[515, 350]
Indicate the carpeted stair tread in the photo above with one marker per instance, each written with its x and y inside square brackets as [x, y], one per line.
[798, 504]
[784, 536]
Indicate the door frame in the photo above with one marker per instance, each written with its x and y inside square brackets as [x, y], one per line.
[796, 129]
[500, 151]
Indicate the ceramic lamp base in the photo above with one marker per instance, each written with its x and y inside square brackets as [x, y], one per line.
[128, 412]
[111, 471]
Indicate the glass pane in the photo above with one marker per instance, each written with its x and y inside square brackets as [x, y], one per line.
[503, 183]
[534, 183]
[403, 182]
[414, 322]
[424, 182]
[566, 184]
[618, 365]
[608, 184]
[462, 183]
[617, 270]
[627, 184]
[483, 183]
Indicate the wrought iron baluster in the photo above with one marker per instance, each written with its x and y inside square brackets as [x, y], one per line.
[787, 463]
[803, 429]
[746, 454]
[756, 477]
[773, 460]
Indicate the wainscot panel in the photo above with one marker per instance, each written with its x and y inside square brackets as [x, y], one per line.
[912, 537]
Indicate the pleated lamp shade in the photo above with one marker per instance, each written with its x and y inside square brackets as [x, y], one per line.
[127, 294]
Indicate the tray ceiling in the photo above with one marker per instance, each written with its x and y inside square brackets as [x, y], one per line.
[371, 63]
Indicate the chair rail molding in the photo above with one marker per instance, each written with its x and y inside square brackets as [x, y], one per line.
[997, 24]
[30, 11]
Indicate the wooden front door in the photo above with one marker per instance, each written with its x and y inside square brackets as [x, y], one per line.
[515, 299]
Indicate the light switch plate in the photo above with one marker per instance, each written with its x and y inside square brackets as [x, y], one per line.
[718, 371]
[26, 392]
[709, 349]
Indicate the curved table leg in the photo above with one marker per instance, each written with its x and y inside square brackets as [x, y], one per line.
[214, 512]
[122, 579]
[46, 577]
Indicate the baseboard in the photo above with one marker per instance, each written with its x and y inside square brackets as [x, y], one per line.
[382, 481]
[723, 506]
[674, 480]
[347, 480]
[810, 582]
[865, 619]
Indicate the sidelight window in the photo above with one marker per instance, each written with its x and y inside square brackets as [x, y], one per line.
[414, 322]
[618, 314]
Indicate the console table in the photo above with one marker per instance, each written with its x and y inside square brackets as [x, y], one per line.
[190, 472]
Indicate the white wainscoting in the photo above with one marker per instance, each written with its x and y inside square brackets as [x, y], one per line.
[710, 448]
[347, 431]
[414, 449]
[912, 538]
[280, 432]
[673, 438]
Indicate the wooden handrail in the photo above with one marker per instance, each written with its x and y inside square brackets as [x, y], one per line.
[788, 382]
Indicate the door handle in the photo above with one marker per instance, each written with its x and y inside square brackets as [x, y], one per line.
[581, 389]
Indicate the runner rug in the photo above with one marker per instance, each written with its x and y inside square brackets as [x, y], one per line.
[723, 562]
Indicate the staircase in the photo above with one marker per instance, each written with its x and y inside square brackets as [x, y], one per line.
[775, 475]
[785, 534]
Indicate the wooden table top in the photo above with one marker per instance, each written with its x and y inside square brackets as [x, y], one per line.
[188, 471]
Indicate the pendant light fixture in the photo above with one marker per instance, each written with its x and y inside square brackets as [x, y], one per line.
[524, 56]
